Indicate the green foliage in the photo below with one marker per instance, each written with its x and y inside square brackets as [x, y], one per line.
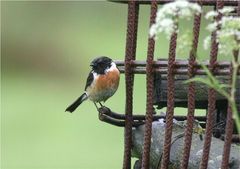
[212, 82]
[222, 89]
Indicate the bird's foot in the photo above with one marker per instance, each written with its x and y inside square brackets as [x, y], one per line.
[104, 110]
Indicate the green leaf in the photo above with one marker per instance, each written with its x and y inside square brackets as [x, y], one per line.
[211, 81]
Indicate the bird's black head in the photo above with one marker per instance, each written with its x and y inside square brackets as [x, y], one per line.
[100, 64]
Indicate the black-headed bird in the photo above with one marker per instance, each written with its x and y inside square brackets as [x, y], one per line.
[102, 82]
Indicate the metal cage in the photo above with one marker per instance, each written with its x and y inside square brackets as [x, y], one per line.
[171, 68]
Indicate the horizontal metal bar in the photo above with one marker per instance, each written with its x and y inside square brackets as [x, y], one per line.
[177, 71]
[117, 122]
[108, 112]
[181, 67]
[178, 63]
[204, 2]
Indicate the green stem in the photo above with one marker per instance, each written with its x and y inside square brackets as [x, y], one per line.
[231, 99]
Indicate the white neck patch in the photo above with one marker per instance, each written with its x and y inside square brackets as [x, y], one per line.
[113, 67]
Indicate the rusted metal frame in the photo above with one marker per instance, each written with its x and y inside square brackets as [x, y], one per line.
[121, 123]
[228, 139]
[181, 67]
[230, 122]
[170, 102]
[106, 115]
[149, 81]
[116, 122]
[164, 71]
[133, 9]
[108, 112]
[155, 117]
[178, 63]
[205, 2]
[191, 94]
[211, 97]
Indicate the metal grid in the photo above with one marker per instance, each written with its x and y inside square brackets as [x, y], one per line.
[170, 67]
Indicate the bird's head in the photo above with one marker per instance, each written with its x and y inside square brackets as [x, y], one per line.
[101, 64]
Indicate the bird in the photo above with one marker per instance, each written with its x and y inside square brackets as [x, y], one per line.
[102, 83]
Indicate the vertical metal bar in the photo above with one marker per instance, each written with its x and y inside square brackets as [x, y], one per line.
[191, 94]
[133, 9]
[149, 106]
[211, 97]
[170, 102]
[229, 125]
[228, 137]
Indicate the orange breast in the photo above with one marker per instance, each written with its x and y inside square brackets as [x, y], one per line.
[104, 86]
[109, 80]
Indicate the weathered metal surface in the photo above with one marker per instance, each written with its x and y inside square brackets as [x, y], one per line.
[211, 94]
[181, 92]
[191, 94]
[170, 92]
[230, 121]
[170, 101]
[131, 41]
[149, 102]
[157, 141]
[180, 67]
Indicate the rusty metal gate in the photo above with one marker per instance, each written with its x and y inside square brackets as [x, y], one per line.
[170, 67]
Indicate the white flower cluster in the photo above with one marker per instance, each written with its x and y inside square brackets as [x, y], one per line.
[225, 11]
[168, 16]
[212, 14]
[206, 42]
[228, 36]
[184, 42]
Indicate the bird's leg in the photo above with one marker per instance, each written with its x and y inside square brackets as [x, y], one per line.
[100, 104]
[95, 105]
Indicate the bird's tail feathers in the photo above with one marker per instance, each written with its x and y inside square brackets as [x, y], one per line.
[75, 104]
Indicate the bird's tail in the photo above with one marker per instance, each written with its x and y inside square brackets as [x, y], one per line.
[75, 104]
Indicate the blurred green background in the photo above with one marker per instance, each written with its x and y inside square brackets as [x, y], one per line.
[46, 51]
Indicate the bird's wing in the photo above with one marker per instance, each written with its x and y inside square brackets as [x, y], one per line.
[89, 80]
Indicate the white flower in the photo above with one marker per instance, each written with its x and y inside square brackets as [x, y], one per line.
[212, 27]
[226, 10]
[153, 30]
[184, 42]
[211, 14]
[168, 15]
[229, 35]
[230, 22]
[206, 42]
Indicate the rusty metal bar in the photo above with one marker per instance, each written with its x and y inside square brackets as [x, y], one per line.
[116, 122]
[181, 67]
[230, 122]
[106, 115]
[191, 94]
[170, 102]
[149, 80]
[177, 71]
[133, 9]
[228, 139]
[178, 63]
[155, 117]
[211, 97]
[205, 2]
